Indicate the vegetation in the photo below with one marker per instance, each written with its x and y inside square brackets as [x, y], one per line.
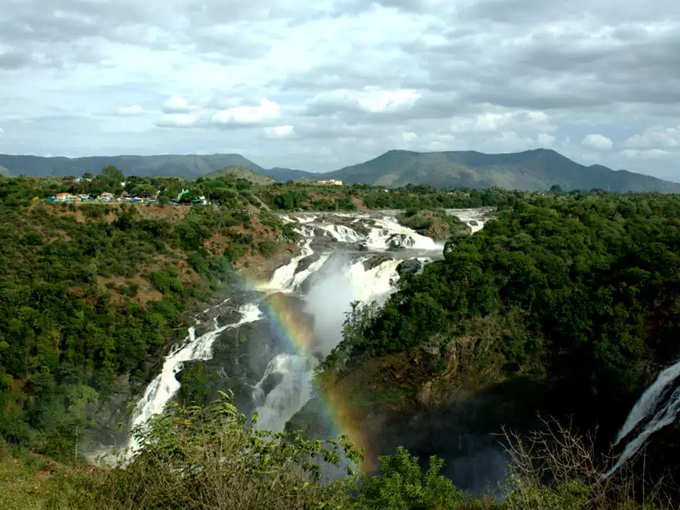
[214, 458]
[90, 292]
[575, 294]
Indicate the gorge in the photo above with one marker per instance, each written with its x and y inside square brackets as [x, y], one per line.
[277, 332]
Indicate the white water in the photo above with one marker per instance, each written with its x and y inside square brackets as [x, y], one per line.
[284, 276]
[340, 282]
[341, 233]
[292, 392]
[286, 384]
[388, 233]
[473, 218]
[164, 387]
[656, 405]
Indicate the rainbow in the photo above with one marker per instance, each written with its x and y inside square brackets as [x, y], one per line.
[298, 331]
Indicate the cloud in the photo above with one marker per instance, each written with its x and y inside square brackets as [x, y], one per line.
[545, 140]
[177, 104]
[645, 153]
[182, 120]
[2, 132]
[358, 78]
[368, 99]
[266, 110]
[13, 60]
[129, 111]
[655, 137]
[597, 142]
[279, 131]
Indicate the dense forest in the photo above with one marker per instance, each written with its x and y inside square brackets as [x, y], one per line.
[578, 292]
[92, 291]
[587, 280]
[572, 298]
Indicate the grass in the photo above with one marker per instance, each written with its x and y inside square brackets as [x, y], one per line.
[29, 481]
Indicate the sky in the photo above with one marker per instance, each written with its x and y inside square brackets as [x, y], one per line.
[320, 85]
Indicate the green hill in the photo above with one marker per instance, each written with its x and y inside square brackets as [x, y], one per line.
[240, 172]
[533, 170]
[170, 165]
[289, 174]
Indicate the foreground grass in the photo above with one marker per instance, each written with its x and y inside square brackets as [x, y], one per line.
[29, 481]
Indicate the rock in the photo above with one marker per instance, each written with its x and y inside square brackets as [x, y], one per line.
[375, 261]
[409, 266]
[306, 262]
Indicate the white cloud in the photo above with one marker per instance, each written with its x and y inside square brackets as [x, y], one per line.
[128, 111]
[266, 110]
[368, 99]
[279, 131]
[645, 153]
[177, 104]
[178, 120]
[353, 77]
[409, 136]
[516, 120]
[655, 137]
[545, 140]
[598, 142]
[2, 131]
[375, 100]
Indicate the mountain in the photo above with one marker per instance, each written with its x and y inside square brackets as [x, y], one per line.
[172, 165]
[530, 170]
[243, 173]
[288, 174]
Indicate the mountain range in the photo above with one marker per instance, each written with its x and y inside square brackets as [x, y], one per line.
[532, 170]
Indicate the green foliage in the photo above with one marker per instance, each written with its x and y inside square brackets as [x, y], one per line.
[402, 485]
[213, 457]
[584, 280]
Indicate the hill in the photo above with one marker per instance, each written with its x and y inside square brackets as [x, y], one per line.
[532, 170]
[242, 173]
[289, 174]
[169, 165]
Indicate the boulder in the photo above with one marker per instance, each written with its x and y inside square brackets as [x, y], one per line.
[409, 266]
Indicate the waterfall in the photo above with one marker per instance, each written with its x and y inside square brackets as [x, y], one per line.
[341, 277]
[291, 378]
[388, 233]
[658, 407]
[165, 385]
[343, 258]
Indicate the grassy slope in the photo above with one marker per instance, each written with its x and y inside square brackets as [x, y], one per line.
[239, 172]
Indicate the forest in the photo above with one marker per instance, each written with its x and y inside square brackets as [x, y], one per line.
[582, 291]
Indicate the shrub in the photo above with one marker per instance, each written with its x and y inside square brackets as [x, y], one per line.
[213, 457]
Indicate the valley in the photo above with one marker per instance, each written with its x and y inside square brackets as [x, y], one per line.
[442, 321]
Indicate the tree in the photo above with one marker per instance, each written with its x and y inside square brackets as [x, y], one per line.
[112, 174]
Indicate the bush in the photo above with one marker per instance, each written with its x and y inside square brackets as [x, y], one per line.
[401, 485]
[212, 457]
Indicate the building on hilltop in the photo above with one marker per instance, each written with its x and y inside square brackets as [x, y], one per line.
[332, 182]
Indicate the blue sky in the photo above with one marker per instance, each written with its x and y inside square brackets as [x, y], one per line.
[320, 87]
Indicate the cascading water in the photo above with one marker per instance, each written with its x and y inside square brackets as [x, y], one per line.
[658, 407]
[343, 258]
[165, 385]
[354, 264]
